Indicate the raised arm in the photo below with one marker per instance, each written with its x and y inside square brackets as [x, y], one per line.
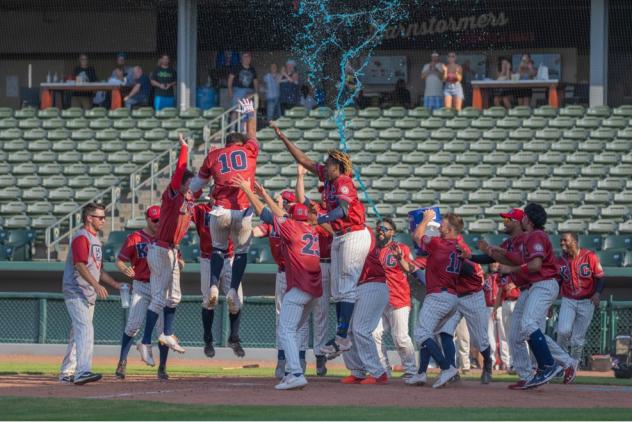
[270, 202]
[248, 110]
[181, 166]
[300, 184]
[244, 184]
[298, 155]
[418, 235]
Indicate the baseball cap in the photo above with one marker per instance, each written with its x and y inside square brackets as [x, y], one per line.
[153, 212]
[514, 214]
[288, 196]
[434, 53]
[299, 212]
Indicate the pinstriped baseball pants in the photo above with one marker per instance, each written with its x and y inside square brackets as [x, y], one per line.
[573, 322]
[320, 314]
[164, 278]
[295, 310]
[280, 289]
[234, 224]
[224, 284]
[348, 253]
[474, 310]
[78, 357]
[435, 311]
[395, 321]
[139, 302]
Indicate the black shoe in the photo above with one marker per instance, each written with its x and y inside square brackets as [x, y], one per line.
[87, 377]
[209, 350]
[321, 368]
[486, 376]
[67, 379]
[235, 344]
[162, 373]
[120, 369]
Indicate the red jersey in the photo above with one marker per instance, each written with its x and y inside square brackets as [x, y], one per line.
[202, 218]
[471, 283]
[421, 262]
[579, 274]
[490, 287]
[134, 251]
[324, 241]
[537, 244]
[342, 189]
[508, 293]
[443, 265]
[513, 246]
[373, 271]
[396, 278]
[176, 209]
[301, 255]
[222, 164]
[275, 245]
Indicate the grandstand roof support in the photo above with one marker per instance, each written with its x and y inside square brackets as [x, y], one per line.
[598, 52]
[187, 53]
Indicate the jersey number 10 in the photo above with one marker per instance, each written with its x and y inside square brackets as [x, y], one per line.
[236, 160]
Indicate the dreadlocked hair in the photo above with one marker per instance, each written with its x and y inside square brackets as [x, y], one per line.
[343, 160]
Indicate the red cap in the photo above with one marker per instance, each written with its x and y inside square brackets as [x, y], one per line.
[515, 214]
[153, 212]
[288, 195]
[299, 212]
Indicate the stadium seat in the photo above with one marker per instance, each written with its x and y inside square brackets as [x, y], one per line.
[602, 226]
[598, 197]
[482, 226]
[457, 123]
[454, 171]
[483, 196]
[417, 134]
[373, 170]
[430, 146]
[469, 212]
[427, 170]
[29, 181]
[441, 157]
[611, 258]
[425, 196]
[468, 183]
[39, 208]
[612, 241]
[456, 146]
[622, 170]
[611, 184]
[10, 193]
[106, 181]
[469, 158]
[25, 113]
[578, 226]
[552, 158]
[588, 123]
[576, 133]
[572, 111]
[582, 184]
[306, 123]
[599, 111]
[558, 212]
[510, 170]
[509, 123]
[366, 134]
[400, 170]
[13, 207]
[603, 133]
[617, 212]
[614, 122]
[590, 241]
[623, 197]
[562, 122]
[406, 123]
[53, 124]
[607, 158]
[397, 196]
[17, 222]
[548, 134]
[512, 196]
[564, 146]
[541, 196]
[496, 158]
[317, 113]
[586, 211]
[453, 196]
[403, 146]
[570, 197]
[387, 157]
[619, 145]
[7, 180]
[523, 158]
[535, 122]
[537, 145]
[385, 183]
[566, 170]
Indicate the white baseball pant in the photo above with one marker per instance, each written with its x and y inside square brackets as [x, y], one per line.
[78, 357]
[573, 322]
[364, 357]
[280, 289]
[295, 310]
[506, 311]
[234, 224]
[518, 348]
[474, 310]
[395, 321]
[348, 254]
[492, 331]
[320, 315]
[435, 311]
[164, 278]
[139, 302]
[224, 284]
[462, 345]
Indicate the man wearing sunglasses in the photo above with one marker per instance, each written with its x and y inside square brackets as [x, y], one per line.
[81, 286]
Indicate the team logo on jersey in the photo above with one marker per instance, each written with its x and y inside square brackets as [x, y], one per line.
[584, 271]
[565, 273]
[390, 261]
[344, 190]
[97, 255]
[141, 250]
[538, 247]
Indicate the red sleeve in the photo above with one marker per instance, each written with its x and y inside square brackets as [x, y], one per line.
[431, 245]
[535, 246]
[280, 227]
[595, 266]
[205, 170]
[265, 228]
[320, 169]
[80, 250]
[181, 166]
[344, 189]
[129, 248]
[464, 246]
[252, 145]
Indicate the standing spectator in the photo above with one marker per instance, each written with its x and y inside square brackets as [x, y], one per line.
[242, 80]
[163, 79]
[453, 90]
[289, 88]
[139, 95]
[83, 73]
[503, 96]
[271, 86]
[307, 97]
[128, 71]
[432, 74]
[401, 94]
[82, 274]
[527, 71]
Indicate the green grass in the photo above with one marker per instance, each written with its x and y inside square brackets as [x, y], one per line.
[87, 409]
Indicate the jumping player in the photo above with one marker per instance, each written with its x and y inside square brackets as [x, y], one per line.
[582, 284]
[176, 212]
[301, 256]
[231, 216]
[352, 240]
[202, 218]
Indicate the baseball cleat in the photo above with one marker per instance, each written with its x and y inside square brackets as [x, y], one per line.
[279, 371]
[571, 372]
[162, 373]
[543, 376]
[352, 379]
[336, 347]
[120, 369]
[171, 342]
[445, 377]
[321, 368]
[209, 350]
[235, 344]
[371, 380]
[486, 377]
[87, 377]
[213, 296]
[67, 379]
[417, 379]
[146, 354]
[232, 298]
[292, 382]
[519, 385]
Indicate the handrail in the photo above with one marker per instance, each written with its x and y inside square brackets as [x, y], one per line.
[134, 178]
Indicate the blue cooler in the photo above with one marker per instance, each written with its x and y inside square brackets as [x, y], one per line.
[415, 217]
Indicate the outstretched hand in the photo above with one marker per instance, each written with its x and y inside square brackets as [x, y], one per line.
[183, 140]
[300, 170]
[246, 106]
[396, 250]
[259, 189]
[238, 181]
[277, 129]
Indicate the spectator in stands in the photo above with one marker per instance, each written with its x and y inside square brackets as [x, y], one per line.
[527, 71]
[453, 90]
[163, 79]
[401, 94]
[83, 73]
[289, 86]
[503, 96]
[139, 95]
[242, 80]
[307, 97]
[271, 86]
[128, 71]
[432, 74]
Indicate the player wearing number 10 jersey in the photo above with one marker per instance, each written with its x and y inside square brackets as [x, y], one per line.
[231, 216]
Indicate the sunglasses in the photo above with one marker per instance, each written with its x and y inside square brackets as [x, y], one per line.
[384, 229]
[157, 220]
[98, 217]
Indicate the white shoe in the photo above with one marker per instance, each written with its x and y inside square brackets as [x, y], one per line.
[445, 376]
[146, 354]
[232, 298]
[416, 379]
[172, 342]
[292, 382]
[213, 296]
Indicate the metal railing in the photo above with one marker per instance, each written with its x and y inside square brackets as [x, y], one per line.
[135, 182]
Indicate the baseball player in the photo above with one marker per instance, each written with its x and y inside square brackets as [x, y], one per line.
[394, 257]
[202, 218]
[507, 295]
[363, 359]
[582, 284]
[352, 240]
[176, 212]
[490, 289]
[132, 261]
[301, 256]
[231, 216]
[82, 274]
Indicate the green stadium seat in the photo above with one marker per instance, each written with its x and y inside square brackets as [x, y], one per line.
[58, 134]
[5, 167]
[328, 124]
[573, 225]
[469, 134]
[444, 113]
[623, 111]
[454, 171]
[615, 211]
[569, 196]
[276, 183]
[72, 113]
[558, 212]
[494, 211]
[607, 158]
[440, 184]
[39, 208]
[17, 222]
[526, 183]
[587, 211]
[119, 157]
[619, 145]
[412, 183]
[582, 184]
[283, 158]
[611, 258]
[33, 194]
[100, 169]
[599, 111]
[19, 156]
[64, 208]
[124, 169]
[595, 171]
[441, 157]
[627, 260]
[456, 146]
[79, 182]
[623, 197]
[554, 158]
[89, 145]
[557, 184]
[33, 134]
[43, 221]
[468, 158]
[588, 123]
[509, 123]
[483, 196]
[495, 112]
[123, 124]
[521, 134]
[52, 181]
[137, 146]
[77, 124]
[403, 211]
[370, 112]
[10, 134]
[512, 196]
[397, 196]
[617, 242]
[523, 158]
[564, 145]
[468, 183]
[407, 123]
[404, 147]
[82, 134]
[48, 113]
[483, 225]
[576, 133]
[432, 123]
[7, 180]
[417, 134]
[419, 113]
[25, 168]
[548, 134]
[391, 134]
[535, 122]
[10, 193]
[8, 123]
[430, 146]
[483, 146]
[316, 134]
[509, 170]
[317, 113]
[625, 227]
[195, 124]
[82, 195]
[189, 113]
[622, 170]
[572, 111]
[163, 114]
[173, 124]
[373, 170]
[469, 212]
[94, 157]
[28, 181]
[106, 181]
[353, 146]
[627, 158]
[496, 158]
[75, 169]
[113, 146]
[13, 207]
[425, 196]
[6, 112]
[388, 157]
[603, 133]
[483, 171]
[100, 124]
[453, 196]
[497, 183]
[562, 122]
[39, 145]
[365, 134]
[458, 123]
[541, 196]
[385, 210]
[590, 241]
[614, 122]
[30, 123]
[25, 113]
[566, 170]
[611, 184]
[495, 134]
[381, 123]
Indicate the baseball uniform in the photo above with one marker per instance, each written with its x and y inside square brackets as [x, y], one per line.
[579, 282]
[509, 296]
[490, 289]
[320, 314]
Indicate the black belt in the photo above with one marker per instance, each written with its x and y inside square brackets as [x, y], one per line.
[523, 288]
[348, 230]
[465, 294]
[325, 259]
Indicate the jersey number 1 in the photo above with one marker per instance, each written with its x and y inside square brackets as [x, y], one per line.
[236, 160]
[454, 267]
